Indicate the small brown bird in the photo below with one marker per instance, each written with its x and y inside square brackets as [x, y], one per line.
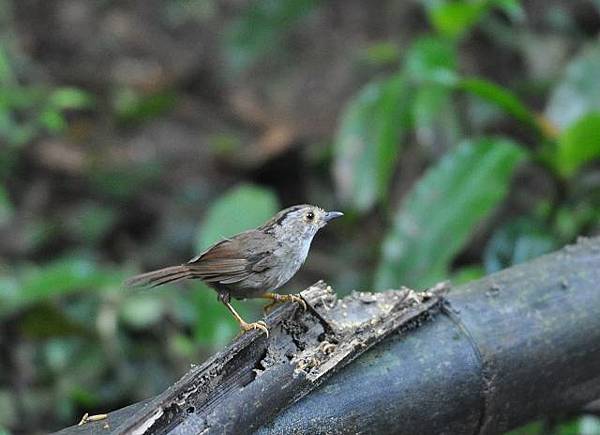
[251, 264]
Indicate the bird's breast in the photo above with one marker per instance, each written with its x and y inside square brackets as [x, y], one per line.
[291, 258]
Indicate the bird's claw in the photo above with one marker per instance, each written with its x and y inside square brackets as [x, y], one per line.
[286, 298]
[297, 299]
[260, 325]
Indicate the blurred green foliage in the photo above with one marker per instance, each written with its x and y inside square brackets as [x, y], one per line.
[367, 142]
[27, 111]
[443, 173]
[34, 284]
[443, 209]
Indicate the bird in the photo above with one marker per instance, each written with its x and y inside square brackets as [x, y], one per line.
[251, 264]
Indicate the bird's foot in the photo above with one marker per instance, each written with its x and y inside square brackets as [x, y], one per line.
[260, 325]
[277, 298]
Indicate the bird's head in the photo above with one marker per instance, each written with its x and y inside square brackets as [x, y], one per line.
[303, 220]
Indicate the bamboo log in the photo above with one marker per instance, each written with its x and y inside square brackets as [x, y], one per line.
[513, 346]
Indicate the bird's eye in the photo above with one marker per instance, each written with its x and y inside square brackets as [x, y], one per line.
[310, 215]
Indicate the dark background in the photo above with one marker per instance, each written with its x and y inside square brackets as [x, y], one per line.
[459, 137]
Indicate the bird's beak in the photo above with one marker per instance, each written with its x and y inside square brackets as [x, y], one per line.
[331, 215]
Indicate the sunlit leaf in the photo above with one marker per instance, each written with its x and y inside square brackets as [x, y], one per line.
[578, 144]
[69, 98]
[443, 209]
[368, 142]
[579, 91]
[454, 18]
[53, 120]
[431, 59]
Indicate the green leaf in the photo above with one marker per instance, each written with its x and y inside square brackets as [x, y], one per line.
[368, 141]
[579, 91]
[53, 120]
[243, 208]
[431, 65]
[455, 18]
[500, 97]
[431, 59]
[69, 98]
[61, 277]
[261, 29]
[435, 119]
[516, 242]
[577, 145]
[443, 209]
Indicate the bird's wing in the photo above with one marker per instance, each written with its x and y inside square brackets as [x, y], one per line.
[235, 259]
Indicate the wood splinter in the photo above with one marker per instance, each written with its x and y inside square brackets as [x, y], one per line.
[91, 418]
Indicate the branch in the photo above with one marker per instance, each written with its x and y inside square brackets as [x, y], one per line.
[510, 347]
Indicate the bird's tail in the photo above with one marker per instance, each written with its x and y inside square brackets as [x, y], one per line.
[159, 277]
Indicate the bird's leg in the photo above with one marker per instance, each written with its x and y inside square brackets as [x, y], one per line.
[276, 298]
[260, 325]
